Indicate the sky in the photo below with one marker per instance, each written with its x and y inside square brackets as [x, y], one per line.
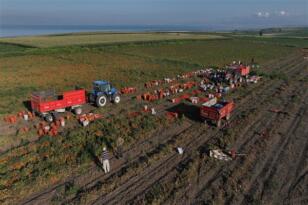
[221, 13]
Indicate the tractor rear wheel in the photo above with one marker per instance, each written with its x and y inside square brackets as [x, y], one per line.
[101, 101]
[116, 99]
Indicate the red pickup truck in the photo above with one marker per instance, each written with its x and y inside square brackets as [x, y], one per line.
[216, 111]
[47, 103]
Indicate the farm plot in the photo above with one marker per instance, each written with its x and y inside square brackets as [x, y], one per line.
[170, 166]
[209, 53]
[42, 164]
[66, 67]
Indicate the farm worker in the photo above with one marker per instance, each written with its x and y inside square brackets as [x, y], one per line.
[105, 160]
[119, 143]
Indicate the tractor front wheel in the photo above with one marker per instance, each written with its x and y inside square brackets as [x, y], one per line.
[116, 99]
[101, 101]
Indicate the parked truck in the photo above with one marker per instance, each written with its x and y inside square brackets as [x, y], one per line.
[215, 112]
[47, 103]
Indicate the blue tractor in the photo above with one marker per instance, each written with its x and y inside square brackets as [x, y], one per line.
[103, 92]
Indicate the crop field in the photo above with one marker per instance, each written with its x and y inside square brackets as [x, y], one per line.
[125, 65]
[268, 124]
[102, 38]
[293, 37]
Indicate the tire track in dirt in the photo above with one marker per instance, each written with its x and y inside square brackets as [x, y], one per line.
[290, 186]
[297, 150]
[264, 122]
[303, 178]
[300, 176]
[276, 151]
[269, 162]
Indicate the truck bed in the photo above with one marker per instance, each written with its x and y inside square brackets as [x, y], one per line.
[217, 111]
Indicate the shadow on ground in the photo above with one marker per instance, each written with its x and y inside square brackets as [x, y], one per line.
[191, 112]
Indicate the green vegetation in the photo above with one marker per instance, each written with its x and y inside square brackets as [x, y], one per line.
[24, 70]
[293, 37]
[9, 47]
[284, 41]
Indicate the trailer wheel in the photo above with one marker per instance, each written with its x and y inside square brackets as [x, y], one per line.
[101, 101]
[49, 118]
[228, 117]
[206, 123]
[78, 110]
[218, 123]
[116, 99]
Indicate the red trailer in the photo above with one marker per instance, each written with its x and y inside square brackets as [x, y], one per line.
[47, 103]
[215, 112]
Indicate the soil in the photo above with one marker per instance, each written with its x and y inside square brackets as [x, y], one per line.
[272, 171]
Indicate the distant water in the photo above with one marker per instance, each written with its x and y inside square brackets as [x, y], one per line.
[18, 30]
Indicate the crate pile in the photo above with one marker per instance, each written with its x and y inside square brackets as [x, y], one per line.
[128, 90]
[162, 93]
[25, 115]
[187, 75]
[153, 83]
[52, 129]
[10, 119]
[85, 119]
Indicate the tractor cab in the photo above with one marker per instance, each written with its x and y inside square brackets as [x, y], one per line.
[103, 91]
[103, 87]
